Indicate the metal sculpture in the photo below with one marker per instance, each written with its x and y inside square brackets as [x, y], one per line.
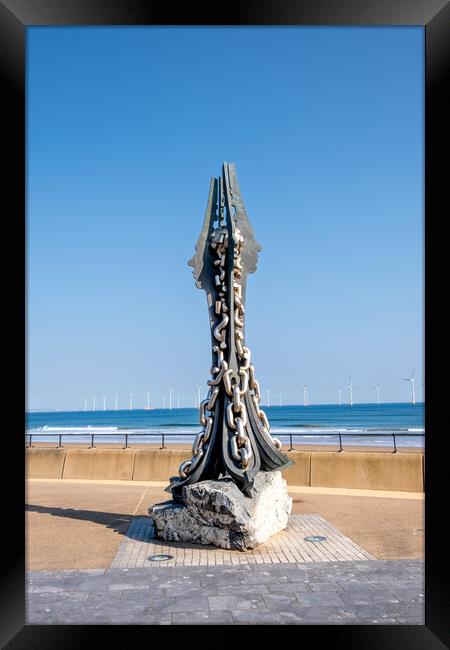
[235, 439]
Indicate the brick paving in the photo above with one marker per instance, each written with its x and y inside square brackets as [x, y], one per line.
[287, 546]
[334, 593]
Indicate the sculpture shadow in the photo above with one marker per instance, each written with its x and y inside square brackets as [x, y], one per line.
[118, 522]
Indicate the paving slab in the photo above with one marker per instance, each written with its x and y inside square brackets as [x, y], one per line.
[211, 595]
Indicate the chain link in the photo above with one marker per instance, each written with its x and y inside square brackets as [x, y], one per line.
[236, 385]
[236, 412]
[246, 370]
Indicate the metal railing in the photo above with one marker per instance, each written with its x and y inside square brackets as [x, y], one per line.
[162, 437]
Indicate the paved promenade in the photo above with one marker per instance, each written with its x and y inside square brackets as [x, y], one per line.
[88, 544]
[334, 593]
[75, 524]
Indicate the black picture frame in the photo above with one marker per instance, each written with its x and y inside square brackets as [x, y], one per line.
[15, 17]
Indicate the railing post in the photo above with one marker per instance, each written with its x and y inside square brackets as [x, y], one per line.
[29, 436]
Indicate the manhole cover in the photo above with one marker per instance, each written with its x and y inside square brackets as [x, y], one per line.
[160, 558]
[315, 538]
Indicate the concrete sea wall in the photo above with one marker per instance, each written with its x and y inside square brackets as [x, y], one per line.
[360, 470]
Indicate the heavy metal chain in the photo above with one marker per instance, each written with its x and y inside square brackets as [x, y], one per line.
[236, 385]
[236, 412]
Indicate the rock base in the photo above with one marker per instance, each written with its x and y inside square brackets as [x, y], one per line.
[217, 512]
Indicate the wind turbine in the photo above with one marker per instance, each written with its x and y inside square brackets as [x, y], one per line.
[170, 398]
[116, 397]
[148, 400]
[350, 387]
[93, 403]
[104, 403]
[412, 380]
[339, 396]
[305, 395]
[178, 401]
[131, 401]
[268, 396]
[377, 388]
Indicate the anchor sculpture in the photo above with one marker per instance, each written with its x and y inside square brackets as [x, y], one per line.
[235, 440]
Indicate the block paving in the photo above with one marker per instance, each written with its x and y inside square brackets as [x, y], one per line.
[287, 546]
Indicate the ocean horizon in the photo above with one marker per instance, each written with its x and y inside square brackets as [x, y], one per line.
[359, 424]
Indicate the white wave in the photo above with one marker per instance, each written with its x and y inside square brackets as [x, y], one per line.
[325, 435]
[318, 430]
[172, 431]
[115, 431]
[421, 430]
[88, 428]
[306, 436]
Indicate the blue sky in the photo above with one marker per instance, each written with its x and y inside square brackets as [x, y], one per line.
[125, 127]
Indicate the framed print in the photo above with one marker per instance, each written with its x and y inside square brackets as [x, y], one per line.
[89, 145]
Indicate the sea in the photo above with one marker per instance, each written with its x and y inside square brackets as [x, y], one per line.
[359, 424]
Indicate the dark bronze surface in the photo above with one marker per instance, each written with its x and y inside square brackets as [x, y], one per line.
[225, 209]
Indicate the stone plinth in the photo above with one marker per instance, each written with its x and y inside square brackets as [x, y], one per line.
[217, 512]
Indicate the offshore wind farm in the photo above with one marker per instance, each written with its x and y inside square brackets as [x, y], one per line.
[160, 402]
[368, 425]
